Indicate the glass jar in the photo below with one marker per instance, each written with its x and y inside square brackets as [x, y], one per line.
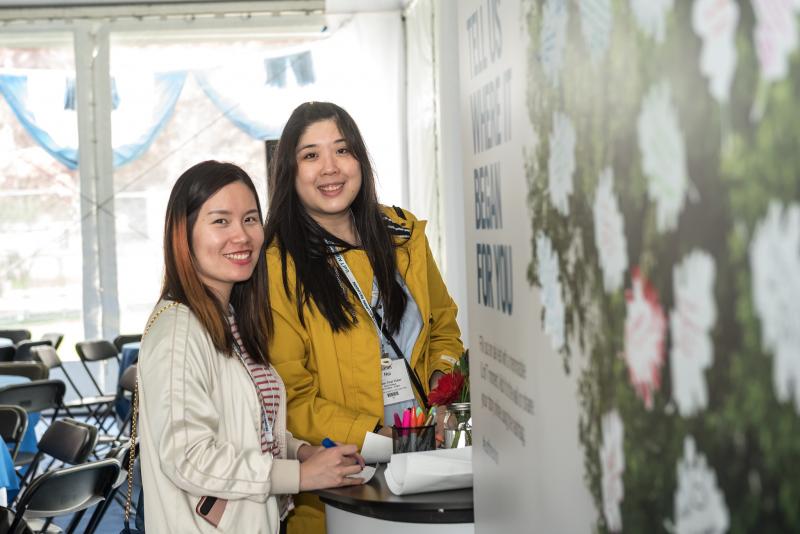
[458, 425]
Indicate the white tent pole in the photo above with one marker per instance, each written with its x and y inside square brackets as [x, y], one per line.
[93, 95]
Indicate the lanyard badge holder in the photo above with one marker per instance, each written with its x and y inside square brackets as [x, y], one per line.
[393, 379]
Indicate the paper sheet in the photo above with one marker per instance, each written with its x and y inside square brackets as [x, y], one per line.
[366, 473]
[420, 472]
[376, 448]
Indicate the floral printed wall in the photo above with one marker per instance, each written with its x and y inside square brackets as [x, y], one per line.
[664, 199]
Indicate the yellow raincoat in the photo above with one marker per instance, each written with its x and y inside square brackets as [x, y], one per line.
[333, 380]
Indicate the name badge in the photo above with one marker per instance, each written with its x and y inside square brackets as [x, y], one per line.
[396, 384]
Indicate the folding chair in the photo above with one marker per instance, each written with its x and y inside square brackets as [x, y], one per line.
[54, 338]
[125, 338]
[98, 350]
[31, 370]
[13, 424]
[7, 353]
[93, 407]
[34, 397]
[122, 455]
[64, 491]
[23, 353]
[67, 441]
[127, 384]
[16, 335]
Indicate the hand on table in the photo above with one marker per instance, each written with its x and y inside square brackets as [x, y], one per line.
[328, 468]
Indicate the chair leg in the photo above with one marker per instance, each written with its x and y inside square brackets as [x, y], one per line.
[99, 512]
[73, 524]
[30, 473]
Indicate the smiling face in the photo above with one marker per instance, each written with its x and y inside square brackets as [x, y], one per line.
[328, 175]
[227, 238]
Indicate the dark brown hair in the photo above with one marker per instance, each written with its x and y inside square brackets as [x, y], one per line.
[299, 235]
[182, 283]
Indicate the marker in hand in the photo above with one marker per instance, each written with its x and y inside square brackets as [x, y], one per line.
[328, 443]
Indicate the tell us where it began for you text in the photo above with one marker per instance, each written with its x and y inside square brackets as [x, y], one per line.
[490, 114]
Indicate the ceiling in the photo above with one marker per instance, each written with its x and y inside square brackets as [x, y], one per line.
[331, 6]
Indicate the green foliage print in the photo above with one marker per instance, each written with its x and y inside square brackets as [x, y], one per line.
[741, 155]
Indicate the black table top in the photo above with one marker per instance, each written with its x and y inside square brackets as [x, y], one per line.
[374, 499]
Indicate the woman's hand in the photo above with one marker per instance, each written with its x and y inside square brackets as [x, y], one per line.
[328, 468]
[307, 451]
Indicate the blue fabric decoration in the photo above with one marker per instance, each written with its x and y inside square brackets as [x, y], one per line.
[70, 101]
[169, 85]
[232, 110]
[15, 90]
[302, 66]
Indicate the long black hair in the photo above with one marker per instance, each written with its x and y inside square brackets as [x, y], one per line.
[300, 236]
[182, 283]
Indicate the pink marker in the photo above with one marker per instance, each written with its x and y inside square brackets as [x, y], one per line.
[407, 418]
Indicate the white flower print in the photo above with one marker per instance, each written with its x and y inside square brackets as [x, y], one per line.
[699, 503]
[612, 465]
[551, 291]
[609, 233]
[596, 22]
[775, 267]
[715, 22]
[663, 156]
[775, 36]
[691, 321]
[561, 162]
[651, 16]
[645, 326]
[553, 40]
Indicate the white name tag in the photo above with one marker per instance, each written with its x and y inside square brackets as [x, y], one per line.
[396, 384]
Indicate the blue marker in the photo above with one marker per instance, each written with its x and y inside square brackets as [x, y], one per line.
[328, 443]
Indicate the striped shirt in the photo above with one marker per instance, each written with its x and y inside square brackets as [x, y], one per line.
[268, 391]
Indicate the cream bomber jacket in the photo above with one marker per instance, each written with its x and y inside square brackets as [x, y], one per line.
[199, 429]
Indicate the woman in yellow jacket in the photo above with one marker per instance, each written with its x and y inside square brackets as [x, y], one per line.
[354, 292]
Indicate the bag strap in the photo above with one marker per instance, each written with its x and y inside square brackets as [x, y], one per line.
[134, 417]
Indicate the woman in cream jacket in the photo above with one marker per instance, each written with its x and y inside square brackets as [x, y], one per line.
[215, 453]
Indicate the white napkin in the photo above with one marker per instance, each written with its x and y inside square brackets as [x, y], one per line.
[367, 472]
[376, 448]
[420, 472]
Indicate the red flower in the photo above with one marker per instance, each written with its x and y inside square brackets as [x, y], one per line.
[448, 389]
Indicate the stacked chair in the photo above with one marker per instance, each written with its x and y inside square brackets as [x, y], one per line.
[23, 349]
[97, 407]
[62, 490]
[121, 339]
[62, 478]
[54, 338]
[30, 370]
[95, 351]
[34, 396]
[13, 424]
[16, 335]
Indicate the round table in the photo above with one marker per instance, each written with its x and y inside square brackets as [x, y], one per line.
[374, 508]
